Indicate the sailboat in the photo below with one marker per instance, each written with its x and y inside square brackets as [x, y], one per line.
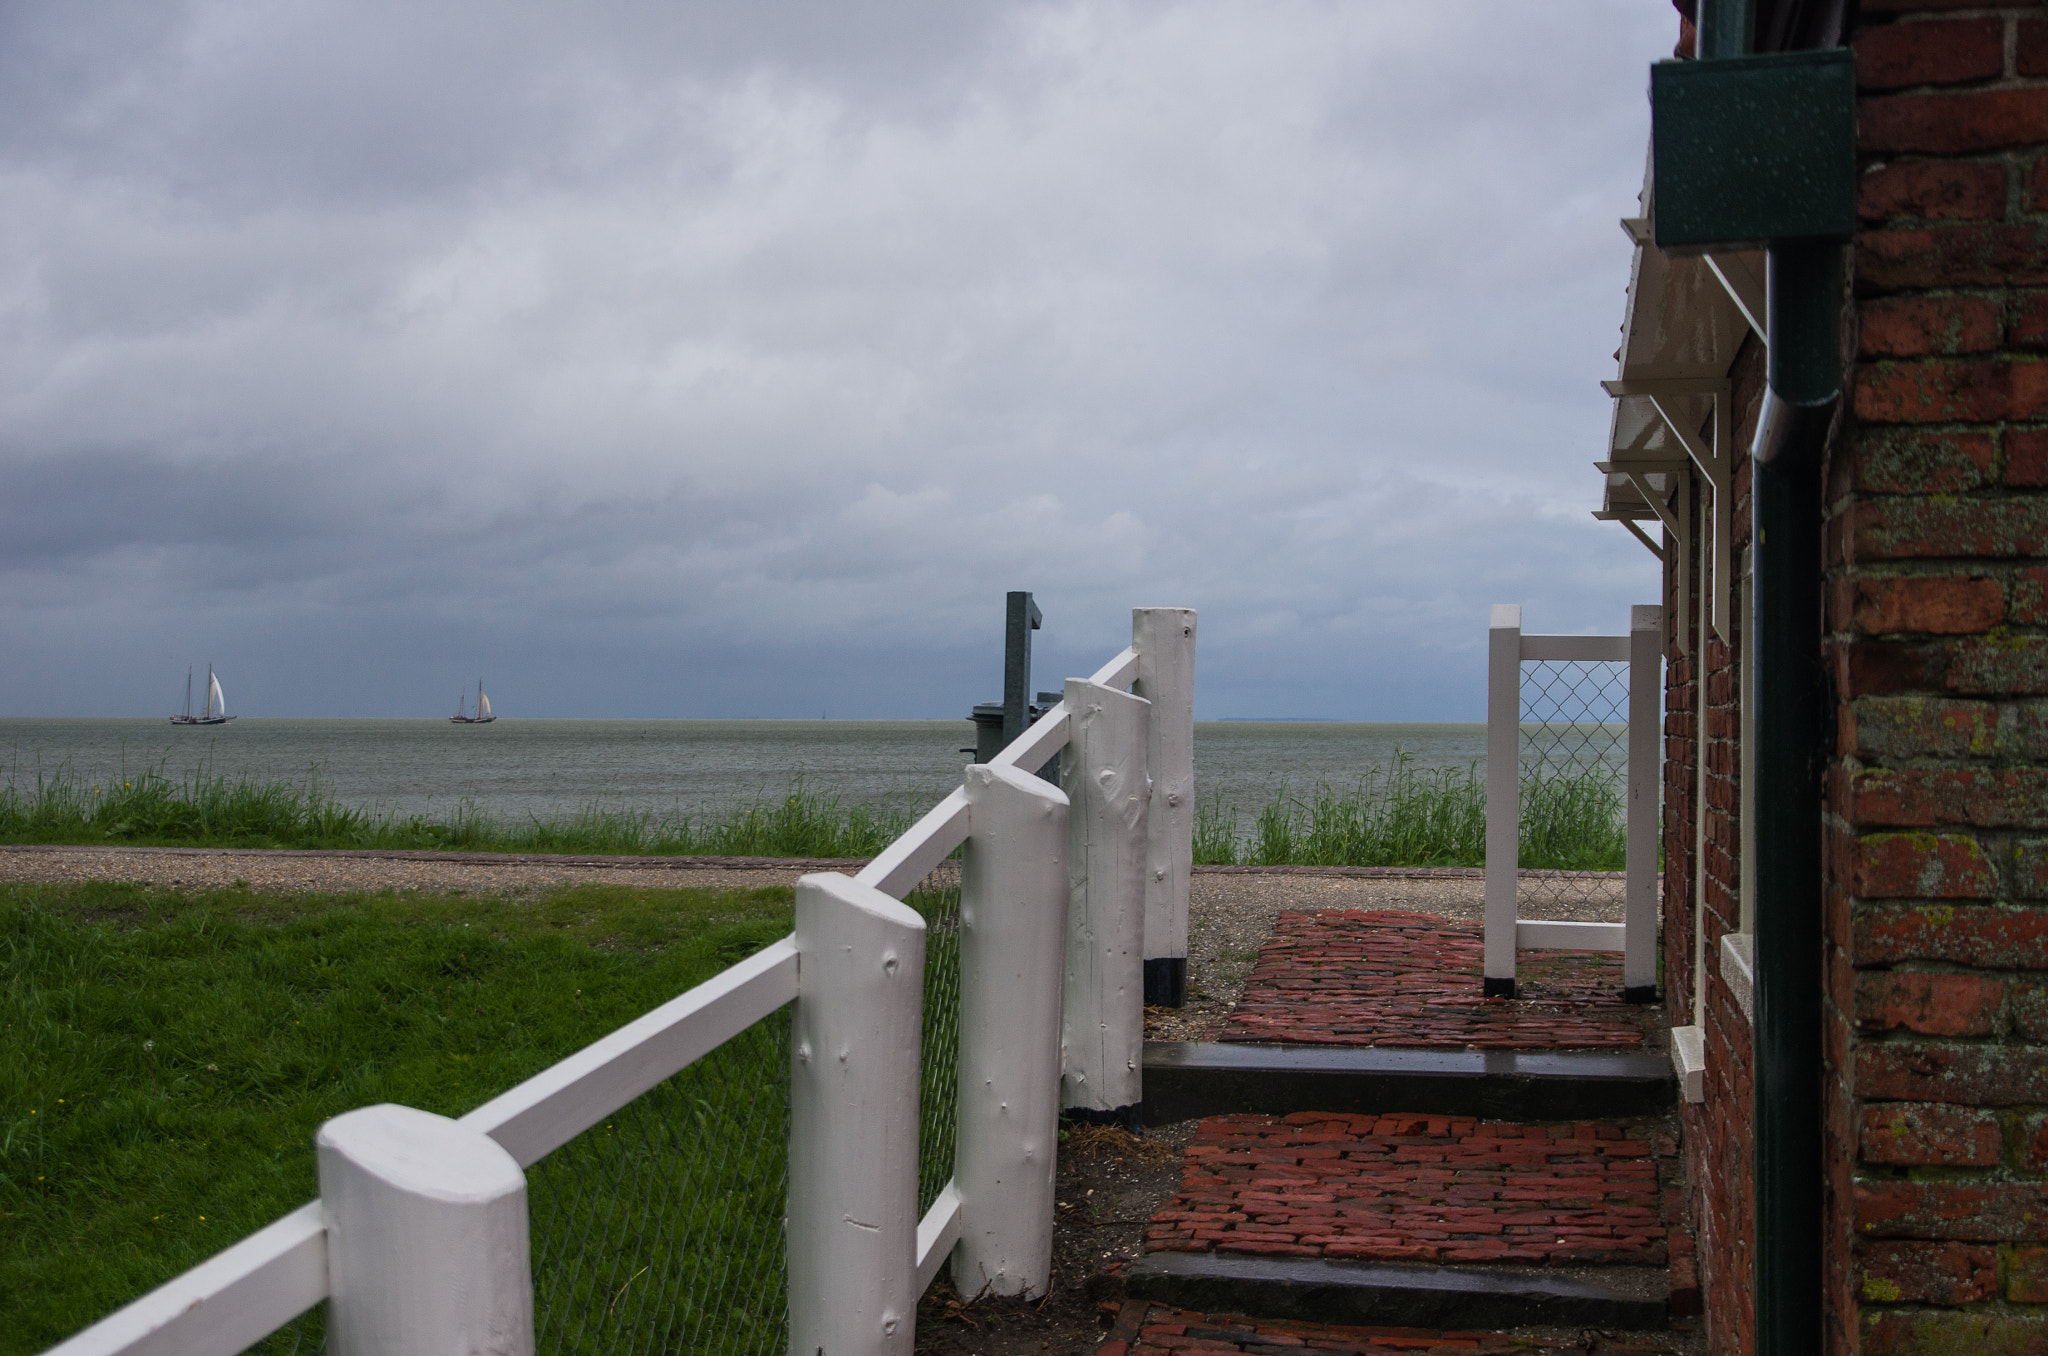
[215, 711]
[483, 714]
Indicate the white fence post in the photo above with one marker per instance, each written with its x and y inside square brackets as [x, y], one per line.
[1013, 943]
[1164, 638]
[1503, 794]
[853, 1121]
[1103, 1030]
[427, 1250]
[1645, 761]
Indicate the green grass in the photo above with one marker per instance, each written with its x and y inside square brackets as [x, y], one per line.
[1409, 816]
[164, 1058]
[151, 809]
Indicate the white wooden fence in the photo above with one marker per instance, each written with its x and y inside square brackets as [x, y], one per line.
[419, 1241]
[1506, 931]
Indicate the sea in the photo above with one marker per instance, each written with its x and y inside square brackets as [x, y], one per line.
[517, 770]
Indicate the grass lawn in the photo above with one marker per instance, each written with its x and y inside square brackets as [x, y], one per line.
[166, 1056]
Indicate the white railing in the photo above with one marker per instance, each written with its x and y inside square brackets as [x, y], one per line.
[1506, 931]
[419, 1239]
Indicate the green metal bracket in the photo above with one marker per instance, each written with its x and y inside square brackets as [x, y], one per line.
[1753, 149]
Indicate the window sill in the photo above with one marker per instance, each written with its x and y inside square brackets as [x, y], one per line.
[1737, 971]
[1689, 1058]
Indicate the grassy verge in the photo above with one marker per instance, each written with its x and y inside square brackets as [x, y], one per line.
[151, 809]
[1409, 816]
[165, 1058]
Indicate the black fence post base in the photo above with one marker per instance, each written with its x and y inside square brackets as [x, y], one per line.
[1498, 988]
[1166, 982]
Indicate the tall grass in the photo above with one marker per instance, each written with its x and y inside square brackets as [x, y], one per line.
[1410, 816]
[205, 810]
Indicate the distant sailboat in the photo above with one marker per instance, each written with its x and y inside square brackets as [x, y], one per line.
[215, 711]
[483, 714]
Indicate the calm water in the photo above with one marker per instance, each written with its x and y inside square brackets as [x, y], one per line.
[516, 769]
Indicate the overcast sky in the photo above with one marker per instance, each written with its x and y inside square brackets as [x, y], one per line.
[676, 359]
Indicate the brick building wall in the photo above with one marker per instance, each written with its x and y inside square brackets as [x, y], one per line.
[1936, 807]
[1937, 627]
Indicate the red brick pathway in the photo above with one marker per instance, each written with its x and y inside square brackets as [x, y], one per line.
[1425, 1188]
[1348, 977]
[1147, 1329]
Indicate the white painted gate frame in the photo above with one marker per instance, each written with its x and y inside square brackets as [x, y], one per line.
[1506, 931]
[419, 1240]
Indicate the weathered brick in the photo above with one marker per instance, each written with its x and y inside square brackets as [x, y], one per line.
[2027, 1005]
[2032, 53]
[2030, 868]
[1922, 866]
[2026, 458]
[1982, 935]
[1871, 667]
[1888, 729]
[2015, 797]
[1915, 1134]
[1998, 664]
[1938, 604]
[1912, 327]
[1933, 190]
[2026, 1275]
[2034, 1142]
[1968, 1075]
[1951, 124]
[1894, 460]
[1931, 1004]
[1902, 528]
[1943, 52]
[2030, 320]
[2030, 598]
[1925, 1332]
[1970, 1212]
[1901, 1272]
[1939, 391]
[1965, 254]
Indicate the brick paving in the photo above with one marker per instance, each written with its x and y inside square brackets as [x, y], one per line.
[1426, 1188]
[1146, 1329]
[1388, 978]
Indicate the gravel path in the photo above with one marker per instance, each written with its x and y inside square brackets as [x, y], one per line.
[1231, 909]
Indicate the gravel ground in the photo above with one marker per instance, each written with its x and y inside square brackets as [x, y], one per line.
[1231, 909]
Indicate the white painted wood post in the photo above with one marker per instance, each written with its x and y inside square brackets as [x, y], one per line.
[852, 1231]
[1503, 794]
[1645, 764]
[427, 1250]
[1103, 1029]
[1164, 638]
[1013, 946]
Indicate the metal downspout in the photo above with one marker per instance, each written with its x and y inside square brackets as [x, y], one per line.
[1792, 735]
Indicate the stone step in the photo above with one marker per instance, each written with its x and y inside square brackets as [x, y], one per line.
[1187, 1079]
[1404, 1294]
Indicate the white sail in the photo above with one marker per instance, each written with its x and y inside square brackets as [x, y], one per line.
[215, 695]
[483, 702]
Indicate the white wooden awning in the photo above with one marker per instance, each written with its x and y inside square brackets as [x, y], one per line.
[1686, 319]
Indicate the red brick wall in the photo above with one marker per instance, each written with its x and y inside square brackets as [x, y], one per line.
[1937, 622]
[1717, 1131]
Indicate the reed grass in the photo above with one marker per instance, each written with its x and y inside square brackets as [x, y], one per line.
[1410, 816]
[151, 809]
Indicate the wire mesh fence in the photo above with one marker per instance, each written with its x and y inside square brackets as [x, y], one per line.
[660, 1229]
[1574, 781]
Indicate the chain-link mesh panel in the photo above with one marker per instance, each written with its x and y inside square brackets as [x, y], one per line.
[305, 1335]
[660, 1229]
[1574, 784]
[937, 898]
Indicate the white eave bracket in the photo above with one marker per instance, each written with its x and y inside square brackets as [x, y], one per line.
[1714, 462]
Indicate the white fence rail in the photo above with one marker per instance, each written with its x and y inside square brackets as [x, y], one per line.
[1508, 649]
[419, 1241]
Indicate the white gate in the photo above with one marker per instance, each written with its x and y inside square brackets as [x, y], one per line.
[1576, 713]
